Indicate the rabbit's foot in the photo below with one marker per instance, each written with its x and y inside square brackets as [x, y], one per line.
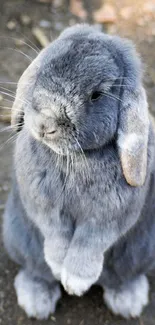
[130, 300]
[36, 298]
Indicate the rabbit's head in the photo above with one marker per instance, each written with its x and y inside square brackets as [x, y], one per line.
[84, 91]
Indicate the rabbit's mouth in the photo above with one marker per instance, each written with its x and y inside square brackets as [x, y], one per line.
[60, 146]
[62, 141]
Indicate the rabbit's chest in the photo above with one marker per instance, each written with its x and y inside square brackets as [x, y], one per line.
[94, 187]
[78, 185]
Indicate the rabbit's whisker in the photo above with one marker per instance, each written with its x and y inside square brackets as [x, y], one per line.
[66, 177]
[83, 156]
[14, 97]
[58, 167]
[37, 48]
[7, 94]
[73, 165]
[111, 96]
[82, 152]
[8, 100]
[21, 52]
[10, 108]
[10, 127]
[12, 92]
[4, 115]
[23, 42]
[9, 82]
[14, 83]
[8, 141]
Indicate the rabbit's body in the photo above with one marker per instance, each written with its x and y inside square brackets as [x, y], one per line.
[72, 216]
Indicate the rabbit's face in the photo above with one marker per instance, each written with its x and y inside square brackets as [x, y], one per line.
[82, 92]
[75, 100]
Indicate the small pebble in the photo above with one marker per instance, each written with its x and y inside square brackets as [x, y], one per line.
[11, 25]
[58, 3]
[25, 20]
[53, 318]
[45, 24]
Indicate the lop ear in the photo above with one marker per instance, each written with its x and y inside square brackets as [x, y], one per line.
[24, 94]
[25, 88]
[133, 136]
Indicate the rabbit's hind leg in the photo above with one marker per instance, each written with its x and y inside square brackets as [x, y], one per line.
[37, 297]
[37, 289]
[130, 299]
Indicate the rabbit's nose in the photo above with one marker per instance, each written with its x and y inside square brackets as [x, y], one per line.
[47, 130]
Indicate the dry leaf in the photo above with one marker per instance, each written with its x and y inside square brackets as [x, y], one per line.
[106, 14]
[77, 9]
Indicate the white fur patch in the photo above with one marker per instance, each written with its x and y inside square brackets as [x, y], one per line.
[129, 141]
[35, 298]
[75, 285]
[130, 301]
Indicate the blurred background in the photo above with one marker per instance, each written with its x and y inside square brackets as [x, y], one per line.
[26, 26]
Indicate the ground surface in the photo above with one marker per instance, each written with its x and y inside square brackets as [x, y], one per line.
[88, 310]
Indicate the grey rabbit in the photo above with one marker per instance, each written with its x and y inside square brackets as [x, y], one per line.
[81, 210]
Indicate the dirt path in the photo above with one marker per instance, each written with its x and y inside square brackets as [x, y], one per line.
[88, 310]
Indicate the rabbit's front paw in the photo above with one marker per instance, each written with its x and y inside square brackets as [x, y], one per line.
[73, 284]
[77, 283]
[54, 252]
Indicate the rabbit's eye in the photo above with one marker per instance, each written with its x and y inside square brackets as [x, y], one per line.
[95, 95]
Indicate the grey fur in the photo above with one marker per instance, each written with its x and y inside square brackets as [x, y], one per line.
[71, 206]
